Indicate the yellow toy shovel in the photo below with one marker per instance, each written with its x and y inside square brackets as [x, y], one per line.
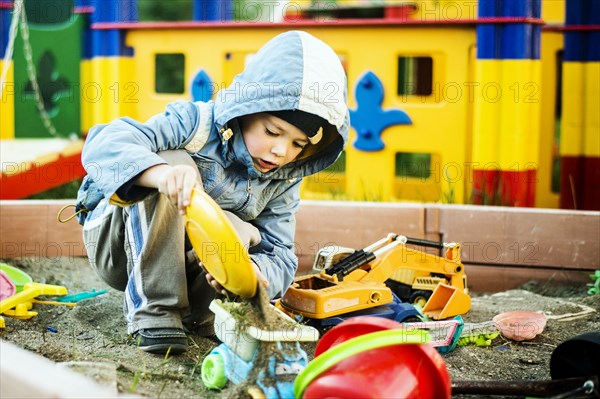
[219, 246]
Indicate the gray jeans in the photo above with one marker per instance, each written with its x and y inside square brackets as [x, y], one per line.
[143, 250]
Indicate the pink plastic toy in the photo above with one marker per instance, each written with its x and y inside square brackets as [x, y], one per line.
[520, 325]
[7, 287]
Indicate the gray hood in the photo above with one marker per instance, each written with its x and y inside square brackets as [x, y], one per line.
[292, 71]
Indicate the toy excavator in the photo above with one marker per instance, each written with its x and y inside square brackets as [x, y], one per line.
[353, 281]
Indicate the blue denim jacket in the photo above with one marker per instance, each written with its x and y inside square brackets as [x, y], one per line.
[294, 70]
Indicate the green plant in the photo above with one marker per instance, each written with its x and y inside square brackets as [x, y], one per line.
[66, 191]
[371, 195]
[595, 286]
[448, 197]
[144, 373]
[136, 379]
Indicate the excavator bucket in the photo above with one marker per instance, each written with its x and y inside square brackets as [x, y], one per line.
[447, 301]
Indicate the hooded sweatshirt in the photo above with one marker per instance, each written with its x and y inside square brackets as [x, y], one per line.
[293, 71]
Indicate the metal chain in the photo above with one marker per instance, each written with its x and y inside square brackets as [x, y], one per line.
[31, 72]
[12, 35]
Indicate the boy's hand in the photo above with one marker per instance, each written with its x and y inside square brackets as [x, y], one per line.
[248, 233]
[176, 182]
[260, 277]
[219, 288]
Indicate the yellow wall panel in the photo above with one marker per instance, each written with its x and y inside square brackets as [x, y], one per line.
[591, 118]
[85, 72]
[507, 110]
[520, 108]
[487, 115]
[553, 11]
[7, 105]
[111, 91]
[551, 44]
[573, 88]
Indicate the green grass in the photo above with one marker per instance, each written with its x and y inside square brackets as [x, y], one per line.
[595, 286]
[66, 191]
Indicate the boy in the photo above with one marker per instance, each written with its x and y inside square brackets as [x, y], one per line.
[284, 117]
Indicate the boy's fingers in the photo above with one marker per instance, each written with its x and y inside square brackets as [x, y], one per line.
[259, 276]
[170, 187]
[184, 183]
[262, 279]
[265, 282]
[178, 183]
[189, 184]
[180, 200]
[172, 191]
[215, 284]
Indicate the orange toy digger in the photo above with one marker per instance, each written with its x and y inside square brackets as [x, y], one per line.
[352, 280]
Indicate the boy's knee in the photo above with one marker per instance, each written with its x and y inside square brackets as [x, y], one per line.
[102, 263]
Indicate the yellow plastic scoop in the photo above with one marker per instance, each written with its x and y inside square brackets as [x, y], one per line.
[19, 305]
[218, 245]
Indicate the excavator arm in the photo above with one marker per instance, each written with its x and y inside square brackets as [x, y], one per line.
[378, 262]
[402, 257]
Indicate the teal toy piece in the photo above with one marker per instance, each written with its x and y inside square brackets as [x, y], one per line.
[80, 296]
[369, 119]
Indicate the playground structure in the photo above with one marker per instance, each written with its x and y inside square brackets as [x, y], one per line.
[452, 102]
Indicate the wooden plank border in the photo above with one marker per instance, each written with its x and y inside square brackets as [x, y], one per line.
[502, 248]
[30, 228]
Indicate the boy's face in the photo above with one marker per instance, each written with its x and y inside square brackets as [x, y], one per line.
[271, 141]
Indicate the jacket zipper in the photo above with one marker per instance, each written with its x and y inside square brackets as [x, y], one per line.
[220, 188]
[247, 200]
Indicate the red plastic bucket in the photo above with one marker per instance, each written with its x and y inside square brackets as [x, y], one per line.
[400, 371]
[396, 367]
[352, 328]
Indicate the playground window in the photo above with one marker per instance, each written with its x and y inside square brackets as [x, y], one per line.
[415, 76]
[416, 165]
[169, 73]
[417, 178]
